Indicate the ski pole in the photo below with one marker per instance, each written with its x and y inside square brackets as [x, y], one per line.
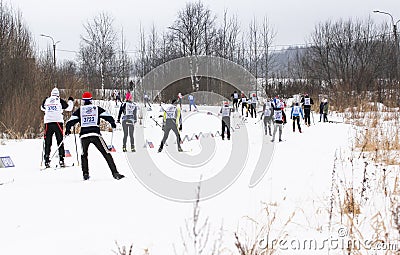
[41, 162]
[76, 148]
[158, 124]
[62, 142]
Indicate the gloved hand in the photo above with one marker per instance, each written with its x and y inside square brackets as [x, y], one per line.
[67, 132]
[113, 125]
[180, 127]
[162, 128]
[70, 98]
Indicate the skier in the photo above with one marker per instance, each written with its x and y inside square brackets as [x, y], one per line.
[253, 105]
[117, 97]
[235, 100]
[244, 104]
[172, 120]
[325, 110]
[89, 117]
[53, 107]
[191, 102]
[180, 99]
[128, 121]
[295, 116]
[279, 119]
[306, 101]
[267, 115]
[321, 110]
[226, 120]
[146, 100]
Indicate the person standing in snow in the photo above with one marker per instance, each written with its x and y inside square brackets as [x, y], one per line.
[53, 107]
[295, 116]
[172, 120]
[307, 101]
[226, 120]
[88, 116]
[129, 120]
[268, 117]
[191, 102]
[279, 119]
[325, 110]
[321, 110]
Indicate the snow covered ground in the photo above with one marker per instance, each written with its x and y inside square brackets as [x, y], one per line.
[56, 212]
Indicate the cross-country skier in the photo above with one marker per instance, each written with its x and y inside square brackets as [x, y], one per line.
[295, 116]
[191, 102]
[307, 101]
[146, 101]
[53, 107]
[172, 120]
[180, 99]
[244, 104]
[279, 119]
[235, 100]
[226, 120]
[89, 115]
[129, 109]
[253, 105]
[268, 116]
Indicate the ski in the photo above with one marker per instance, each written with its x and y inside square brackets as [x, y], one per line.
[7, 182]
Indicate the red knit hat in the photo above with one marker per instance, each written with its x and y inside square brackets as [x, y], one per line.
[87, 96]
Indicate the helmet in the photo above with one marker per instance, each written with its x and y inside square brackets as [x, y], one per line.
[55, 92]
[87, 96]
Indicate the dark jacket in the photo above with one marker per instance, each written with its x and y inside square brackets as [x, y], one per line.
[303, 102]
[93, 129]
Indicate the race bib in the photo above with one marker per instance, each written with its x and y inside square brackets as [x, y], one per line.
[89, 116]
[307, 101]
[225, 111]
[278, 115]
[296, 110]
[129, 108]
[171, 112]
[267, 112]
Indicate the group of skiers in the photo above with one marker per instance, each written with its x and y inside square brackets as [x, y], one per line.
[89, 115]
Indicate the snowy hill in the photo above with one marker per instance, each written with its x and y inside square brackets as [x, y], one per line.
[56, 212]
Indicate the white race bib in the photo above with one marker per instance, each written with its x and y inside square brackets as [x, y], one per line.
[225, 111]
[129, 108]
[267, 112]
[296, 110]
[278, 115]
[307, 101]
[89, 116]
[171, 112]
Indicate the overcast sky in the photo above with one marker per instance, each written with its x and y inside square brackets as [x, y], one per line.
[293, 20]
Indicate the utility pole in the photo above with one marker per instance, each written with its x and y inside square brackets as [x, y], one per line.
[54, 54]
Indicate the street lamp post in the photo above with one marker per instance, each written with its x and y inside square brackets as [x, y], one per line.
[54, 53]
[394, 25]
[396, 41]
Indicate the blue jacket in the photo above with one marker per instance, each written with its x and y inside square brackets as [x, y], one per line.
[296, 112]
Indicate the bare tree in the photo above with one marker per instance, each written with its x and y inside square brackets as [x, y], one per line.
[268, 34]
[98, 46]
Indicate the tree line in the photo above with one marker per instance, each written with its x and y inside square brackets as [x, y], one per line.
[346, 60]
